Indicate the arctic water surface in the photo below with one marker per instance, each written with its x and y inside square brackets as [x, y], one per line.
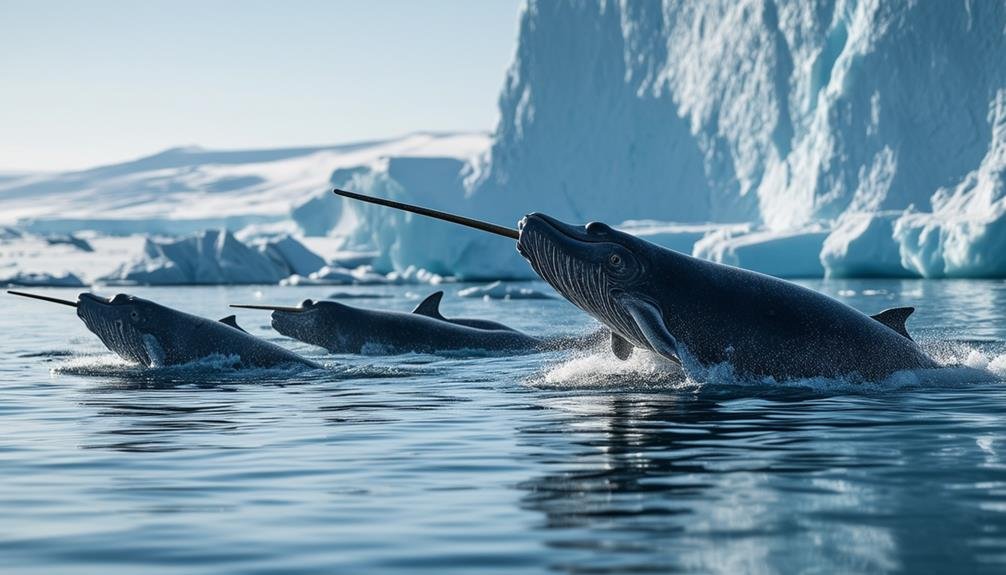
[552, 462]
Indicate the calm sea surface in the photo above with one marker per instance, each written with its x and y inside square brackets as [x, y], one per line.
[554, 462]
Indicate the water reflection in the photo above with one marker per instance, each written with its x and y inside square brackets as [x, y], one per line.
[686, 482]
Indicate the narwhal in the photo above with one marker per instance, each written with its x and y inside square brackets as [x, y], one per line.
[154, 335]
[342, 328]
[698, 313]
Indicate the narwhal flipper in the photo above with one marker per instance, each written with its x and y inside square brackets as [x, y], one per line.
[621, 347]
[651, 324]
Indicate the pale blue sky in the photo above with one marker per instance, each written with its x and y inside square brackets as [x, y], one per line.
[100, 81]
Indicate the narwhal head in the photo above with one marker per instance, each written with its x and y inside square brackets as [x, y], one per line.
[127, 325]
[314, 322]
[595, 267]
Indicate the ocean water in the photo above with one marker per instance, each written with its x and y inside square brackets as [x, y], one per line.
[560, 462]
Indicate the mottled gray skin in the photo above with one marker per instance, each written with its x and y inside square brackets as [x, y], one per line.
[341, 328]
[153, 335]
[704, 314]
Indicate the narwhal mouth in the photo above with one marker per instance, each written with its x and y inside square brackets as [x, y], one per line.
[104, 318]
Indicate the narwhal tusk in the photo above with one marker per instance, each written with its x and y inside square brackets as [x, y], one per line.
[43, 298]
[470, 222]
[268, 307]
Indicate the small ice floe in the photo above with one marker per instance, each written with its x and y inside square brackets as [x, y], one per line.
[363, 275]
[335, 275]
[499, 290]
[42, 279]
[416, 275]
[362, 295]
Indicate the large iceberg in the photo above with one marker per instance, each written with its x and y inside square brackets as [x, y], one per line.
[965, 235]
[865, 131]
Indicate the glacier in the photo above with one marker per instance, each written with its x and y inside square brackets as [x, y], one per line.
[833, 138]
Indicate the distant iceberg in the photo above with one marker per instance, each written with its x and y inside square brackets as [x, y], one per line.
[291, 256]
[208, 257]
[38, 279]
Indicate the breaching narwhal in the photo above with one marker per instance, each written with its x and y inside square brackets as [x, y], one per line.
[154, 335]
[702, 314]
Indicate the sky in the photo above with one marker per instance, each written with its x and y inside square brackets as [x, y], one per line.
[102, 81]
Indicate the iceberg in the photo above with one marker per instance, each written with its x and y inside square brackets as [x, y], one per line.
[41, 279]
[789, 254]
[814, 124]
[677, 236]
[862, 245]
[291, 256]
[208, 257]
[965, 234]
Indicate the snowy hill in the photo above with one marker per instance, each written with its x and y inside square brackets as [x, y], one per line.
[132, 212]
[185, 190]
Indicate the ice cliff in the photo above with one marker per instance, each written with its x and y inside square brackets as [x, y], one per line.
[864, 135]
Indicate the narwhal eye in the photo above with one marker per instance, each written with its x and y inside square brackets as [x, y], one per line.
[615, 260]
[135, 315]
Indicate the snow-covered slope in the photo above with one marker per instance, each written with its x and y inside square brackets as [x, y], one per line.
[184, 190]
